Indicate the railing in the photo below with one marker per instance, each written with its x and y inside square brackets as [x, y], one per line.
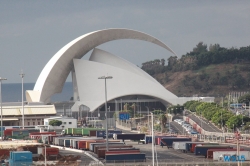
[179, 163]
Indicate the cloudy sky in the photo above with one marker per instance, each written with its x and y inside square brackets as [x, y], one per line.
[31, 32]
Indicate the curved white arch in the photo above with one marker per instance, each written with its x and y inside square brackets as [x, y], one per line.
[54, 74]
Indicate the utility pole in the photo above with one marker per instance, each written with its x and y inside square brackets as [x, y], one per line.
[153, 155]
[22, 75]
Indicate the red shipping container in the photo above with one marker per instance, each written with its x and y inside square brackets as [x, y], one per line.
[4, 152]
[50, 151]
[8, 132]
[123, 152]
[92, 133]
[101, 152]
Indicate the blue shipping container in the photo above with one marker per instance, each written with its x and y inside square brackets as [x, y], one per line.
[100, 133]
[67, 143]
[148, 139]
[19, 163]
[21, 156]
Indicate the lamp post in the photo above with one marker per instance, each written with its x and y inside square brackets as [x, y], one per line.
[22, 75]
[148, 119]
[105, 78]
[153, 153]
[1, 79]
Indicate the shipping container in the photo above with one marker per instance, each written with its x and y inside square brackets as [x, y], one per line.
[202, 149]
[112, 132]
[112, 146]
[32, 149]
[20, 134]
[59, 141]
[183, 146]
[101, 152]
[8, 132]
[125, 157]
[20, 163]
[21, 156]
[226, 155]
[4, 152]
[50, 151]
[87, 144]
[159, 137]
[79, 131]
[74, 141]
[193, 145]
[168, 141]
[92, 145]
[100, 133]
[50, 139]
[128, 136]
[211, 151]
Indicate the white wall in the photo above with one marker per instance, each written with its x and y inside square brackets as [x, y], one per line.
[66, 122]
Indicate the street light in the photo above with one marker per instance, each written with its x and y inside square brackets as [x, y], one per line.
[105, 78]
[22, 75]
[148, 119]
[1, 79]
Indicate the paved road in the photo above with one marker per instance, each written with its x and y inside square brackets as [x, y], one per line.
[178, 128]
[205, 124]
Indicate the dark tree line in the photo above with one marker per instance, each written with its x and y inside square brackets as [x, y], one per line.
[200, 56]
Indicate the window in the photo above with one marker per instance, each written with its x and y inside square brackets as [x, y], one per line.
[34, 123]
[70, 122]
[38, 123]
[28, 123]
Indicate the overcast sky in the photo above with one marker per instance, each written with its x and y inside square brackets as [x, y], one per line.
[31, 32]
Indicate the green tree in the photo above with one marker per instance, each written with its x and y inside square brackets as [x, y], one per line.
[234, 121]
[55, 122]
[244, 99]
[200, 48]
[163, 121]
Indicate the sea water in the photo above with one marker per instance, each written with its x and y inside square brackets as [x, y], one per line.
[13, 92]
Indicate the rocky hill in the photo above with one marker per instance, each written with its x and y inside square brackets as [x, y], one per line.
[213, 72]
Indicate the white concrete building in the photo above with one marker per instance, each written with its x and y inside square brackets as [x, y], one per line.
[67, 122]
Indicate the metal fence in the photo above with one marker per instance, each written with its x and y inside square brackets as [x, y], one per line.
[167, 163]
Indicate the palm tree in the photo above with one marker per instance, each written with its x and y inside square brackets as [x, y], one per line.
[163, 121]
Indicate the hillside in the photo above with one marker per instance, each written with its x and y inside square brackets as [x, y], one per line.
[204, 72]
[207, 81]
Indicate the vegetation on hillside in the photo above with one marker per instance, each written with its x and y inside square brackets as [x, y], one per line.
[222, 117]
[203, 69]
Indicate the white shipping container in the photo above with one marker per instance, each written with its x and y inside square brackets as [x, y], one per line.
[40, 150]
[219, 155]
[175, 145]
[182, 145]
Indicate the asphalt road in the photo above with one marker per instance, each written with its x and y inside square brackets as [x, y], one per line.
[205, 124]
[178, 128]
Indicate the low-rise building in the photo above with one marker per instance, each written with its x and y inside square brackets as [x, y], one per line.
[67, 122]
[33, 114]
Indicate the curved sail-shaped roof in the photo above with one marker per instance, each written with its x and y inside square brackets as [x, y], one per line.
[56, 71]
[128, 79]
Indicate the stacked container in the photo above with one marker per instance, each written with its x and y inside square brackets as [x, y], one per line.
[18, 158]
